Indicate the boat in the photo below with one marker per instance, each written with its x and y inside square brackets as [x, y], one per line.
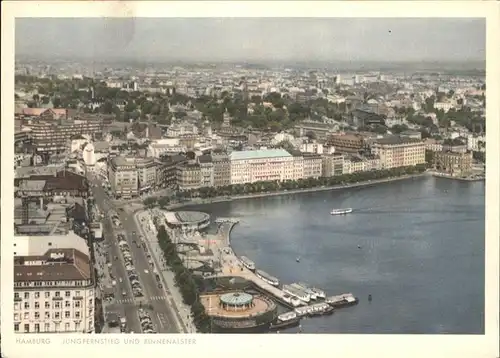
[341, 211]
[267, 278]
[297, 259]
[346, 299]
[287, 316]
[294, 301]
[249, 264]
[276, 326]
[292, 291]
[307, 290]
[319, 293]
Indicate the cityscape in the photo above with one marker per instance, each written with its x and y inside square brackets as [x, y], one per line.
[238, 189]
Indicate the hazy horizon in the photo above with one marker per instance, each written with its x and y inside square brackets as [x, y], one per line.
[254, 39]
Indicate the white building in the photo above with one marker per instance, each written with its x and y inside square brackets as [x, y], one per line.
[476, 142]
[164, 146]
[445, 106]
[261, 165]
[316, 148]
[89, 157]
[53, 285]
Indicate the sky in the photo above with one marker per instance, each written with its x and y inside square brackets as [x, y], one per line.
[254, 39]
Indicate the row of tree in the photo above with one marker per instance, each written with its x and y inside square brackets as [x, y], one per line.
[280, 186]
[185, 281]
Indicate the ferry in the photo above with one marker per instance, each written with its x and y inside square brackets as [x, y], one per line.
[298, 286]
[301, 295]
[249, 264]
[341, 211]
[319, 293]
[267, 278]
[294, 301]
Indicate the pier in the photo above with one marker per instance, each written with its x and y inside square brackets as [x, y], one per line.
[231, 266]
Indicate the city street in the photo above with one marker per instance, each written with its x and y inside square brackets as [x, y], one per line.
[182, 311]
[129, 311]
[154, 297]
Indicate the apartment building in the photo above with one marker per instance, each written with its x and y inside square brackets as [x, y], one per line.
[453, 163]
[54, 292]
[123, 176]
[207, 170]
[313, 165]
[333, 164]
[261, 165]
[395, 151]
[189, 176]
[222, 168]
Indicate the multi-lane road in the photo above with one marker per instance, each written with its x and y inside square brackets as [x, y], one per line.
[161, 313]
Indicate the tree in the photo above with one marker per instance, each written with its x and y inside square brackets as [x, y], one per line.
[130, 107]
[311, 135]
[57, 102]
[150, 202]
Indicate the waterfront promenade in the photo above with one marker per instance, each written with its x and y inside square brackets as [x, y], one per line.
[227, 198]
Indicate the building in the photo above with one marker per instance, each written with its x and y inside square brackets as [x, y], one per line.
[459, 164]
[54, 289]
[62, 183]
[313, 166]
[433, 145]
[189, 176]
[319, 129]
[395, 151]
[166, 170]
[164, 146]
[53, 137]
[364, 118]
[123, 177]
[146, 174]
[222, 168]
[347, 143]
[333, 164]
[454, 145]
[207, 170]
[261, 165]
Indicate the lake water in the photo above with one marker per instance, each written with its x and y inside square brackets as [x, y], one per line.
[421, 255]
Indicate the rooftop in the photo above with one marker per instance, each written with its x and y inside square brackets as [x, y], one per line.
[259, 154]
[395, 140]
[54, 264]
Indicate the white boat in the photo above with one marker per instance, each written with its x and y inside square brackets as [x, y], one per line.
[264, 276]
[341, 211]
[319, 293]
[249, 264]
[288, 316]
[301, 295]
[306, 290]
[296, 302]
